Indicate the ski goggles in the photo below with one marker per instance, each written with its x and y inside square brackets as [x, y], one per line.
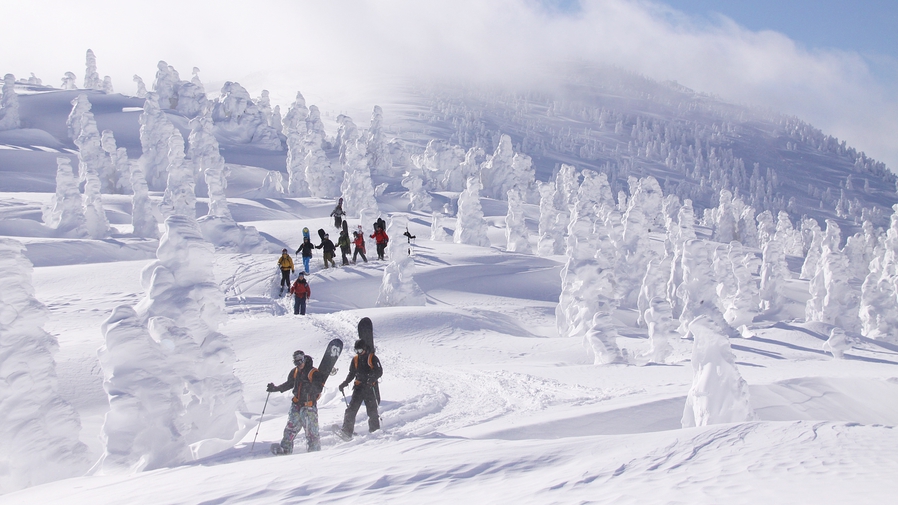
[299, 356]
[359, 351]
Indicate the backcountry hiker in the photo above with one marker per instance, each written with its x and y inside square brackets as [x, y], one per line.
[329, 250]
[365, 369]
[343, 243]
[285, 262]
[301, 292]
[306, 249]
[306, 382]
[338, 214]
[380, 239]
[358, 239]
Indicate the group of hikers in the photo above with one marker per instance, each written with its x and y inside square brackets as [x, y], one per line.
[300, 288]
[306, 382]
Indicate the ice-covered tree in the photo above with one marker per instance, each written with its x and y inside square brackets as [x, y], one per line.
[661, 329]
[155, 132]
[437, 232]
[419, 198]
[834, 300]
[774, 274]
[698, 291]
[208, 163]
[142, 430]
[68, 81]
[165, 86]
[457, 166]
[814, 238]
[357, 188]
[106, 85]
[143, 211]
[114, 178]
[94, 213]
[9, 104]
[323, 178]
[180, 188]
[180, 286]
[399, 287]
[766, 227]
[470, 226]
[295, 130]
[91, 77]
[654, 285]
[517, 236]
[677, 237]
[192, 99]
[80, 106]
[718, 394]
[141, 87]
[838, 343]
[38, 428]
[66, 212]
[788, 236]
[737, 290]
[239, 119]
[439, 166]
[503, 171]
[549, 233]
[879, 293]
[378, 153]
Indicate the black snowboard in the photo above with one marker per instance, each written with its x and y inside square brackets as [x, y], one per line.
[334, 348]
[346, 228]
[366, 334]
[321, 233]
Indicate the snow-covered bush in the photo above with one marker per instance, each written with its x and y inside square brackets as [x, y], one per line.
[470, 226]
[38, 428]
[91, 77]
[66, 212]
[377, 151]
[718, 394]
[143, 211]
[296, 130]
[357, 188]
[142, 430]
[9, 104]
[517, 236]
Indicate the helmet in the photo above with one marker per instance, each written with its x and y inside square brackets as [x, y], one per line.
[284, 251]
[360, 345]
[298, 358]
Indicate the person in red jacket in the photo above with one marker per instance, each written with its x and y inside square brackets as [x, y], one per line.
[381, 239]
[358, 239]
[301, 292]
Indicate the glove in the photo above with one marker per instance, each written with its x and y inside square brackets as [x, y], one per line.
[271, 387]
[343, 386]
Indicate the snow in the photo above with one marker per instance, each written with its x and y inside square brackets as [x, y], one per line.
[486, 397]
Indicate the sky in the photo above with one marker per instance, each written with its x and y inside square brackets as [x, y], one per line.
[831, 63]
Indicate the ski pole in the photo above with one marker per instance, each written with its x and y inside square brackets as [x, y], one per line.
[344, 398]
[260, 421]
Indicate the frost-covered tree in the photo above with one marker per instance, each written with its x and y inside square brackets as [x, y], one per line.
[505, 170]
[273, 186]
[437, 232]
[677, 237]
[517, 237]
[788, 236]
[295, 130]
[834, 300]
[698, 291]
[38, 428]
[94, 213]
[276, 119]
[114, 178]
[635, 248]
[723, 221]
[419, 198]
[879, 293]
[180, 188]
[155, 132]
[180, 286]
[737, 290]
[106, 85]
[774, 274]
[205, 156]
[837, 343]
[68, 81]
[143, 211]
[766, 227]
[661, 329]
[141, 87]
[66, 212]
[549, 233]
[165, 86]
[718, 394]
[9, 104]
[80, 106]
[470, 226]
[91, 77]
[602, 334]
[357, 188]
[440, 163]
[378, 153]
[239, 119]
[813, 236]
[654, 285]
[192, 99]
[142, 429]
[324, 179]
[399, 287]
[459, 165]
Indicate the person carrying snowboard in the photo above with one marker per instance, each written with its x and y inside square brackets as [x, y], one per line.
[306, 250]
[338, 214]
[344, 244]
[306, 383]
[380, 240]
[358, 239]
[285, 263]
[301, 292]
[329, 250]
[365, 369]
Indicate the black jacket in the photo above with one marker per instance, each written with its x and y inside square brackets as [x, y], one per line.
[306, 249]
[306, 383]
[328, 246]
[365, 369]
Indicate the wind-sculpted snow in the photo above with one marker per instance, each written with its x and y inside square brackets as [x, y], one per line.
[38, 428]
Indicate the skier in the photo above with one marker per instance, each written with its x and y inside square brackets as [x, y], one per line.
[358, 238]
[306, 249]
[306, 383]
[338, 214]
[365, 369]
[409, 237]
[285, 263]
[380, 239]
[329, 250]
[301, 292]
[343, 243]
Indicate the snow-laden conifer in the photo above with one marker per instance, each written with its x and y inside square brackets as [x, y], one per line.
[398, 287]
[774, 274]
[766, 227]
[9, 104]
[441, 165]
[788, 236]
[239, 119]
[323, 178]
[295, 130]
[437, 231]
[66, 212]
[155, 132]
[419, 198]
[834, 300]
[737, 289]
[879, 294]
[470, 226]
[505, 170]
[165, 86]
[143, 211]
[141, 87]
[91, 77]
[517, 237]
[549, 233]
[661, 328]
[192, 99]
[179, 197]
[68, 81]
[38, 428]
[698, 290]
[357, 188]
[814, 238]
[677, 236]
[80, 106]
[377, 152]
[115, 173]
[106, 85]
[94, 213]
[654, 285]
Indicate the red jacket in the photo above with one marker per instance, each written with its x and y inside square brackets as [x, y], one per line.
[301, 289]
[380, 236]
[359, 241]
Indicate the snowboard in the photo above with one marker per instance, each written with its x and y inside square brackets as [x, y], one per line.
[366, 334]
[346, 228]
[334, 348]
[321, 234]
[305, 233]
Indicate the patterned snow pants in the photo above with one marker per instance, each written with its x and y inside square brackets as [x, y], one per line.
[298, 419]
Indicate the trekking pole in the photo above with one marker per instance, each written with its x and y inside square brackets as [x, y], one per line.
[260, 421]
[344, 398]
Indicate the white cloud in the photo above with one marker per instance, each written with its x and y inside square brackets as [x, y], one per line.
[345, 54]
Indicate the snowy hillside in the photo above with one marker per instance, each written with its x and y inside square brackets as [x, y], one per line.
[615, 291]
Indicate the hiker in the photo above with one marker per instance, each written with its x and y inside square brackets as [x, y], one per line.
[306, 249]
[301, 292]
[358, 239]
[285, 263]
[380, 240]
[329, 250]
[306, 383]
[338, 214]
[344, 244]
[365, 369]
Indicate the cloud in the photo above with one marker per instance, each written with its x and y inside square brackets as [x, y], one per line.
[345, 55]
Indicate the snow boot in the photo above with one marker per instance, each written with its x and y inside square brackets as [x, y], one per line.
[277, 450]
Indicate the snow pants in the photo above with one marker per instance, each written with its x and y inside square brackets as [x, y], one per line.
[344, 252]
[329, 257]
[359, 251]
[285, 278]
[360, 394]
[381, 248]
[299, 305]
[298, 419]
[305, 263]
